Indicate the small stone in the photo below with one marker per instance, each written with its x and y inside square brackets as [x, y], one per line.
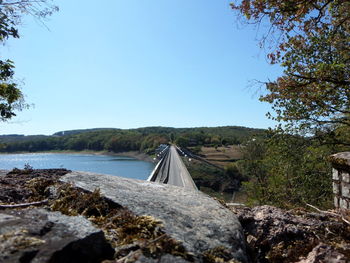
[336, 202]
[343, 204]
[336, 188]
[335, 174]
[345, 190]
[251, 240]
[345, 177]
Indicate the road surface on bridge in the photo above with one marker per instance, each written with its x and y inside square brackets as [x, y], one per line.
[172, 170]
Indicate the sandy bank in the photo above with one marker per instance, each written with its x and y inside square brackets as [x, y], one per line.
[134, 154]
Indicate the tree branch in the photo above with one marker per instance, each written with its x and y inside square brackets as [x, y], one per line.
[24, 205]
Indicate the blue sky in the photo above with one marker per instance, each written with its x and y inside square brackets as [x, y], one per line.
[137, 63]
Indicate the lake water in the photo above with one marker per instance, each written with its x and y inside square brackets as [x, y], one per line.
[105, 164]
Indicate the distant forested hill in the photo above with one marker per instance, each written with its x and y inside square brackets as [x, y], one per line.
[118, 140]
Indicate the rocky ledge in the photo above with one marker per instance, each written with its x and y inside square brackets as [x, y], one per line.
[85, 217]
[64, 216]
[276, 235]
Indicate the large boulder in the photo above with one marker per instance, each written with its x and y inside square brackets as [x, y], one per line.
[195, 219]
[38, 235]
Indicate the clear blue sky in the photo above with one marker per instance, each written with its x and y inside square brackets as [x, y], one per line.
[137, 63]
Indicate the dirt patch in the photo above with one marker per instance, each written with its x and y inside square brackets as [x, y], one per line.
[221, 156]
[134, 154]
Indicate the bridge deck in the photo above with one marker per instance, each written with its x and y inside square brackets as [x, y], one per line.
[171, 170]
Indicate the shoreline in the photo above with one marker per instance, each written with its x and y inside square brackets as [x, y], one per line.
[134, 154]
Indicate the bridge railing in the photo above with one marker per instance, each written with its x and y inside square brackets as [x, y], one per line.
[156, 169]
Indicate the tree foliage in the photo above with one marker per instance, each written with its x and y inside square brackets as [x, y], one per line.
[117, 140]
[312, 43]
[287, 171]
[11, 12]
[10, 95]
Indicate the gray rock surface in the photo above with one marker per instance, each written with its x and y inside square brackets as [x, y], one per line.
[282, 236]
[37, 235]
[192, 217]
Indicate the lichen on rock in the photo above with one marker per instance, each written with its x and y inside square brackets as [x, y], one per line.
[275, 235]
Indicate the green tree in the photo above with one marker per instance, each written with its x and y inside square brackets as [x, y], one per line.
[287, 171]
[182, 141]
[11, 97]
[172, 137]
[11, 12]
[313, 47]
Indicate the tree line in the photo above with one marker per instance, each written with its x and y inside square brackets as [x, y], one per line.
[117, 140]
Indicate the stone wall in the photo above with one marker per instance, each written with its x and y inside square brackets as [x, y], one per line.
[341, 179]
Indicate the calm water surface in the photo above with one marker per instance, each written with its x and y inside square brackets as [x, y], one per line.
[105, 164]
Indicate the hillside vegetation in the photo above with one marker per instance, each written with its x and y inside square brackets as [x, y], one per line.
[118, 140]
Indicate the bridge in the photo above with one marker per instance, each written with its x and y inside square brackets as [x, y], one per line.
[171, 170]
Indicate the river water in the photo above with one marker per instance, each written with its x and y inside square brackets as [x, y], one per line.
[105, 164]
